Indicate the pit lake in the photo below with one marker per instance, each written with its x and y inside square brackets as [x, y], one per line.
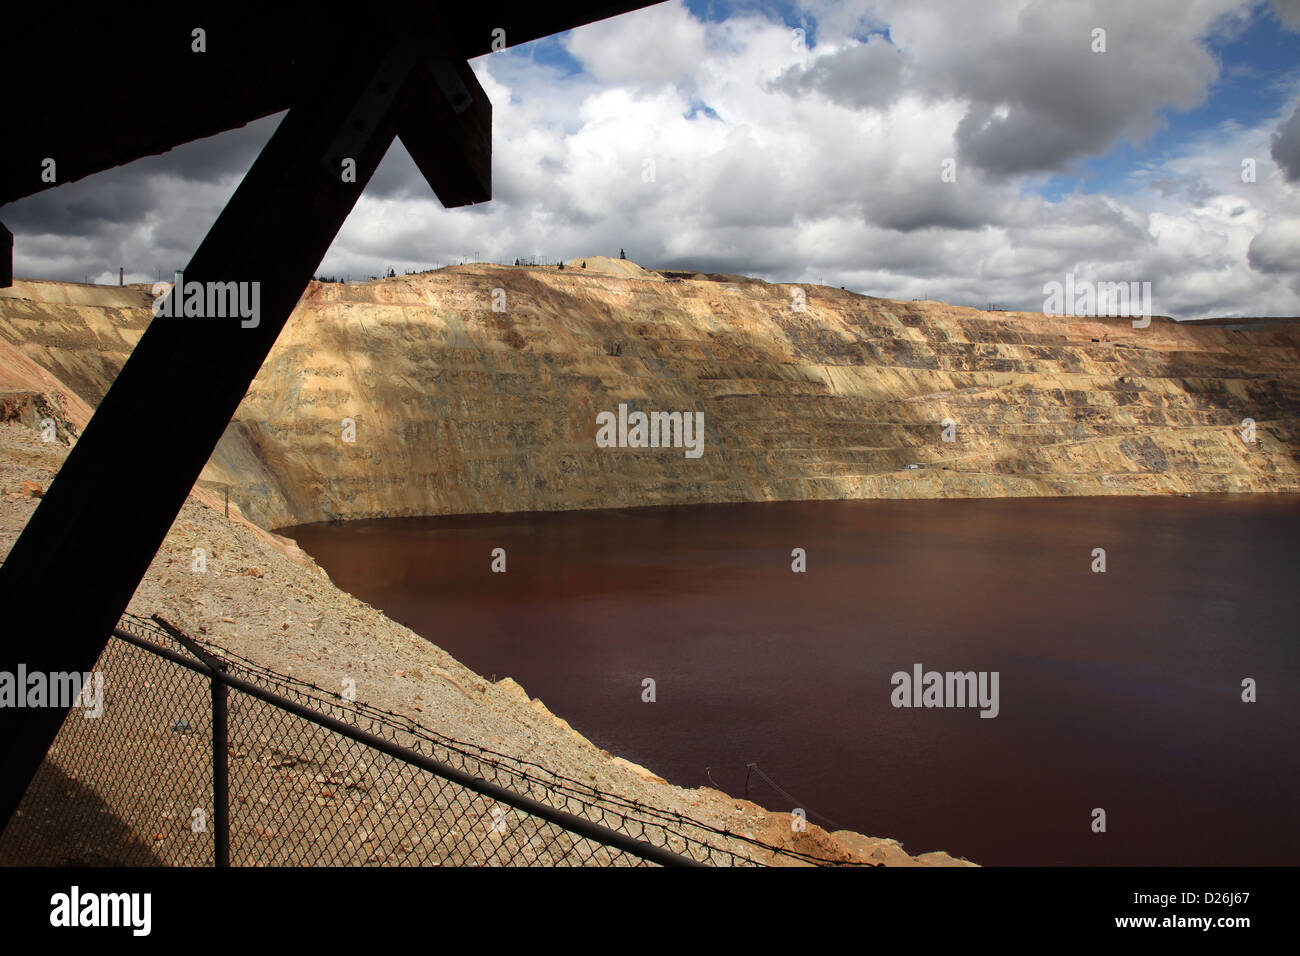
[1120, 690]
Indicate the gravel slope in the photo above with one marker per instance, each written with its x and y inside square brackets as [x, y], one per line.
[261, 597]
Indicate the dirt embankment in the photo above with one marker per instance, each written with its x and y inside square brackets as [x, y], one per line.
[261, 597]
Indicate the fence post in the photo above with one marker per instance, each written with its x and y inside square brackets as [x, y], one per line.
[215, 670]
[220, 773]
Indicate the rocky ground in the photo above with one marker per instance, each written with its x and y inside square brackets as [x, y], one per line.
[261, 597]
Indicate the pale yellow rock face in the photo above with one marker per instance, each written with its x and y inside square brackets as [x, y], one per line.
[461, 409]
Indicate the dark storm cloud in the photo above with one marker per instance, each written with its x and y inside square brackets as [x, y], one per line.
[859, 77]
[1026, 140]
[89, 207]
[709, 261]
[1277, 248]
[912, 201]
[932, 214]
[1288, 11]
[1040, 91]
[213, 160]
[1286, 146]
[1043, 98]
[152, 214]
[126, 194]
[148, 216]
[398, 177]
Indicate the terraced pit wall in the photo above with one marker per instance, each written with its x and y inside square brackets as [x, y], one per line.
[462, 409]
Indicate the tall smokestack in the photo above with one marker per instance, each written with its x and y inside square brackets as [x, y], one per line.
[121, 275]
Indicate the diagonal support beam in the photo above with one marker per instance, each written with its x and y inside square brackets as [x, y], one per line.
[84, 551]
[6, 257]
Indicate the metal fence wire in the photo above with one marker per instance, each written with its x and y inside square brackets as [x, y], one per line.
[304, 777]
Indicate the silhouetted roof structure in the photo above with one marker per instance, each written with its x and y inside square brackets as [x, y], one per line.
[101, 86]
[113, 84]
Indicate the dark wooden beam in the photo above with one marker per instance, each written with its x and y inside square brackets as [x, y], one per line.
[131, 84]
[6, 257]
[443, 91]
[81, 556]
[127, 84]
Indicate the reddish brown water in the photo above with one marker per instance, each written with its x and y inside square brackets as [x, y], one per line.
[1119, 690]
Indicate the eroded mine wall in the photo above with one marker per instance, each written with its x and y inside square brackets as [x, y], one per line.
[458, 408]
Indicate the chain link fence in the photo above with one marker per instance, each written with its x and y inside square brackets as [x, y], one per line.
[304, 777]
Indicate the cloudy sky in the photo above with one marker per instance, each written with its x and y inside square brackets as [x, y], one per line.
[808, 141]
